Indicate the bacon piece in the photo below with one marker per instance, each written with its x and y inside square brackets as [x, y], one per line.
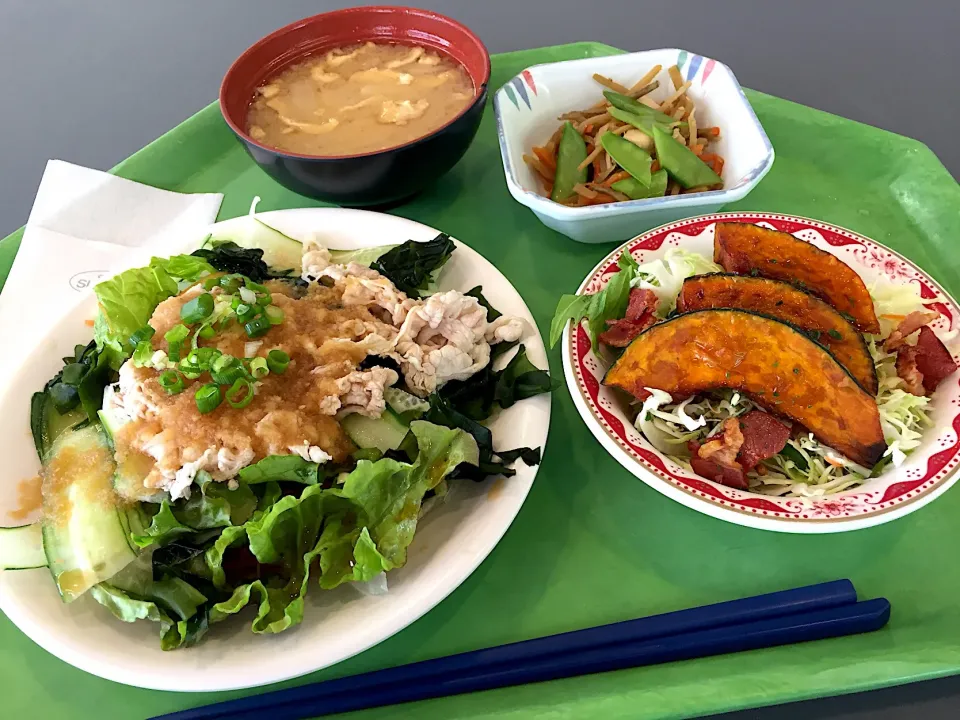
[923, 366]
[716, 458]
[641, 302]
[933, 359]
[908, 372]
[908, 326]
[763, 437]
[620, 333]
[725, 446]
[639, 317]
[731, 476]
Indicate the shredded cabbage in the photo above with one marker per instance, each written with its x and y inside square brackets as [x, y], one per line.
[805, 467]
[666, 275]
[892, 302]
[903, 416]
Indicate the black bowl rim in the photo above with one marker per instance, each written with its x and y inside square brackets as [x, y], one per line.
[481, 90]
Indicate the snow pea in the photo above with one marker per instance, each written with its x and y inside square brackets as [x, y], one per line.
[624, 102]
[636, 190]
[571, 151]
[678, 160]
[633, 159]
[642, 123]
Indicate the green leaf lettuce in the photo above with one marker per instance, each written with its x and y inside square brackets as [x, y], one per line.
[127, 301]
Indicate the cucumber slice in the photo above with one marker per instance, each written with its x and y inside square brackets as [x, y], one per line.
[47, 424]
[111, 423]
[402, 402]
[84, 537]
[280, 252]
[128, 479]
[361, 256]
[21, 548]
[383, 433]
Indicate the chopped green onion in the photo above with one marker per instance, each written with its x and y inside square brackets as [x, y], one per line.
[226, 370]
[257, 327]
[264, 300]
[171, 381]
[221, 362]
[206, 357]
[208, 397]
[190, 365]
[210, 283]
[144, 333]
[248, 296]
[259, 368]
[190, 372]
[240, 393]
[274, 314]
[178, 333]
[257, 287]
[198, 309]
[277, 361]
[206, 332]
[230, 283]
[173, 350]
[245, 312]
[143, 353]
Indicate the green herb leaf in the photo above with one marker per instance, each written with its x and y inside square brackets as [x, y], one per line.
[610, 303]
[570, 307]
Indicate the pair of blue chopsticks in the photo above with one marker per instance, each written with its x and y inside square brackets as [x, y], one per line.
[814, 612]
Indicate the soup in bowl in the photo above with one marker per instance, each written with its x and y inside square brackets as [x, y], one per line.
[359, 99]
[365, 106]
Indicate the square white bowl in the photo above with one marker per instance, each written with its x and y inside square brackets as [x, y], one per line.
[527, 108]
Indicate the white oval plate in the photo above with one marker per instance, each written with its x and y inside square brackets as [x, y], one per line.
[451, 541]
[927, 473]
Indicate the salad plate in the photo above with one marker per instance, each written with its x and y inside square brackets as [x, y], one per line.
[452, 539]
[811, 489]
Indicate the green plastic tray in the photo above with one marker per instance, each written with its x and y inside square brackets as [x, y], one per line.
[593, 544]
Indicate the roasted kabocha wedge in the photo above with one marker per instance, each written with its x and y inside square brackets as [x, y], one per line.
[785, 302]
[775, 364]
[747, 249]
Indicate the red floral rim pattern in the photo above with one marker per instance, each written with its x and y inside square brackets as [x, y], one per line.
[879, 495]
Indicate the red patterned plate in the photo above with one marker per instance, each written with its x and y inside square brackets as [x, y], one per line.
[928, 471]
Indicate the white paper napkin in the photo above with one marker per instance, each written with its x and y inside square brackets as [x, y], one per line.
[83, 225]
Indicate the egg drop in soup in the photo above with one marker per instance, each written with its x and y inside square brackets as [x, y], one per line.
[358, 99]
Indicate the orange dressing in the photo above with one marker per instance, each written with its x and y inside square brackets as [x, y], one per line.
[29, 498]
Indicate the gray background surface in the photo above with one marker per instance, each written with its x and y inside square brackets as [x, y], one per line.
[92, 82]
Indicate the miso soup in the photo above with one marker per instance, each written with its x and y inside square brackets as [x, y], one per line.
[359, 99]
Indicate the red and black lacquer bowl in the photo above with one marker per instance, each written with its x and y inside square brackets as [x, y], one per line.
[377, 178]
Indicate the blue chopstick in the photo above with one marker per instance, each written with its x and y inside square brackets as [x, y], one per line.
[817, 625]
[520, 656]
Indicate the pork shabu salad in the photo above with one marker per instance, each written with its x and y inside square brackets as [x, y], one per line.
[770, 366]
[241, 431]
